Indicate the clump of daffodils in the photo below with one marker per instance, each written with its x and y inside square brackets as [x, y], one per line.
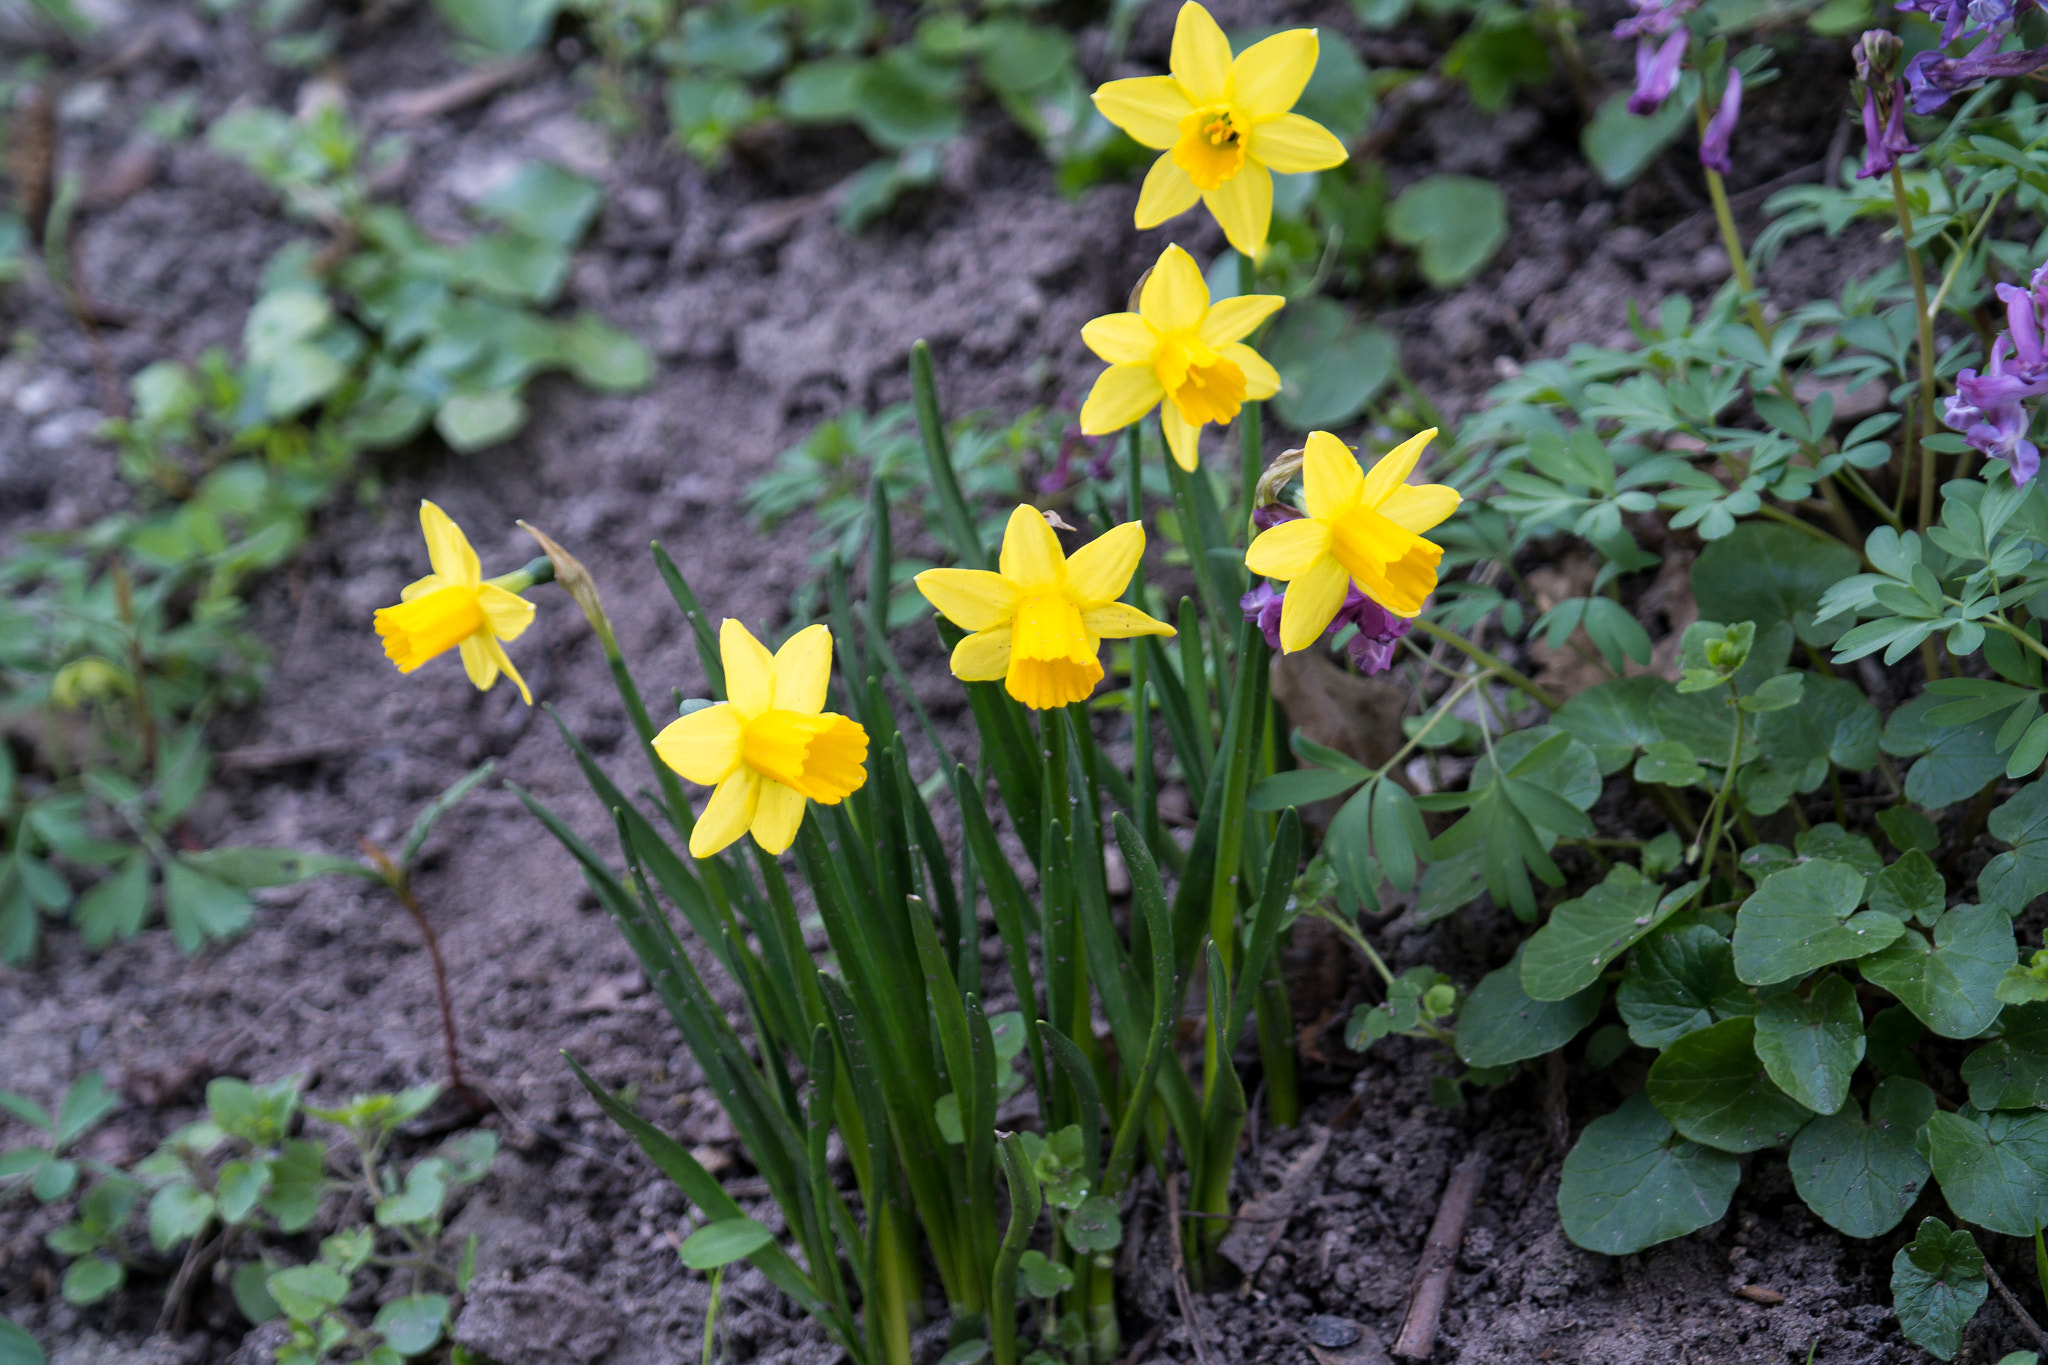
[454, 608]
[1223, 124]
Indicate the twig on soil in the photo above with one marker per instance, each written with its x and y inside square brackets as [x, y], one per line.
[418, 106]
[1181, 1292]
[1439, 1257]
[401, 888]
[177, 1299]
[1137, 1353]
[2012, 1304]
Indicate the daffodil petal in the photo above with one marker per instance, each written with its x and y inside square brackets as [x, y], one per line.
[703, 746]
[727, 814]
[1234, 319]
[1120, 338]
[1293, 145]
[1031, 556]
[1149, 108]
[972, 599]
[1122, 394]
[420, 587]
[1183, 438]
[1175, 297]
[1261, 380]
[1393, 468]
[803, 670]
[1100, 570]
[1330, 477]
[983, 656]
[1120, 621]
[1311, 604]
[447, 548]
[1402, 595]
[1201, 55]
[1417, 507]
[749, 669]
[478, 663]
[1243, 206]
[507, 613]
[1285, 552]
[777, 814]
[1168, 192]
[504, 662]
[1268, 77]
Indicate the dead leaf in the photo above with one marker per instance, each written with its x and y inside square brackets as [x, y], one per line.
[1357, 716]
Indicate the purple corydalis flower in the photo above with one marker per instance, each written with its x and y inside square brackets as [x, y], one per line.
[1271, 514]
[1379, 631]
[1654, 18]
[1885, 133]
[1932, 78]
[1720, 128]
[1999, 433]
[1657, 71]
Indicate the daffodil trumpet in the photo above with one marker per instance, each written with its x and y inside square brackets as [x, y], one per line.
[1038, 623]
[772, 747]
[1178, 353]
[454, 607]
[1223, 124]
[1359, 527]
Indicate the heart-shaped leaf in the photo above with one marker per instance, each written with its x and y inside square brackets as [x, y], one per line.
[1861, 1177]
[1803, 918]
[1631, 1182]
[1713, 1089]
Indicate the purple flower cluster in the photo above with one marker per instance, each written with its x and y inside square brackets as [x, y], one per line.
[1989, 408]
[1884, 102]
[1661, 39]
[1933, 76]
[1379, 630]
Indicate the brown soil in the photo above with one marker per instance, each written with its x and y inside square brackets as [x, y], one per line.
[764, 317]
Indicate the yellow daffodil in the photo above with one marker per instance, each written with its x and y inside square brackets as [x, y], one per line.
[1180, 355]
[769, 749]
[1223, 125]
[454, 608]
[1363, 528]
[1040, 623]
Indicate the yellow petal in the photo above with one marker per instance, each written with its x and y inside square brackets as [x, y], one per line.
[749, 669]
[478, 663]
[1183, 438]
[1243, 206]
[1286, 552]
[420, 587]
[1393, 468]
[504, 661]
[1149, 108]
[507, 613]
[803, 670]
[1267, 77]
[1312, 603]
[447, 548]
[1234, 319]
[1100, 570]
[1417, 507]
[1120, 621]
[972, 599]
[1201, 55]
[983, 656]
[1406, 583]
[1175, 297]
[1031, 556]
[703, 746]
[777, 814]
[1121, 339]
[1261, 380]
[1292, 145]
[1168, 191]
[1122, 394]
[1330, 477]
[727, 814]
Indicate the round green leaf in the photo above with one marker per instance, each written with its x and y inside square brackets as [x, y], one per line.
[471, 421]
[1714, 1090]
[1955, 761]
[1861, 1177]
[604, 357]
[2014, 878]
[1938, 1284]
[1585, 935]
[413, 1324]
[1330, 365]
[1041, 1277]
[723, 1242]
[177, 1212]
[1677, 981]
[900, 99]
[1811, 1047]
[1801, 918]
[1095, 1226]
[17, 1347]
[92, 1279]
[1500, 1024]
[1455, 223]
[1631, 1182]
[501, 25]
[304, 1292]
[1951, 982]
[1993, 1169]
[1910, 889]
[544, 202]
[1621, 146]
[1767, 573]
[1612, 719]
[2012, 1073]
[252, 1296]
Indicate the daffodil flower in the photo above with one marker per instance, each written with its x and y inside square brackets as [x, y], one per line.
[1039, 624]
[771, 747]
[1223, 125]
[1179, 354]
[454, 608]
[1363, 528]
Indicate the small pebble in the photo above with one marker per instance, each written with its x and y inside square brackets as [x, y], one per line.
[1333, 1333]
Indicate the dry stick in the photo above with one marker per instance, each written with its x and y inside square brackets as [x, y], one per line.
[401, 887]
[1439, 1256]
[2026, 1319]
[1180, 1272]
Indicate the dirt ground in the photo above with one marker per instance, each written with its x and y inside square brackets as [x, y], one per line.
[764, 317]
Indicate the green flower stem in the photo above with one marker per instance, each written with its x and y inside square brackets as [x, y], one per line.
[538, 570]
[1275, 1020]
[1513, 677]
[1718, 812]
[1731, 239]
[1437, 713]
[1955, 264]
[1916, 436]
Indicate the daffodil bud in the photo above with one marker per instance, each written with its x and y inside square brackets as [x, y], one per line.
[577, 582]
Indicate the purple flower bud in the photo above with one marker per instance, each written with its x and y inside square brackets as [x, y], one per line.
[1720, 128]
[1272, 514]
[1261, 607]
[1877, 56]
[1654, 18]
[1371, 649]
[1657, 71]
[1889, 142]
